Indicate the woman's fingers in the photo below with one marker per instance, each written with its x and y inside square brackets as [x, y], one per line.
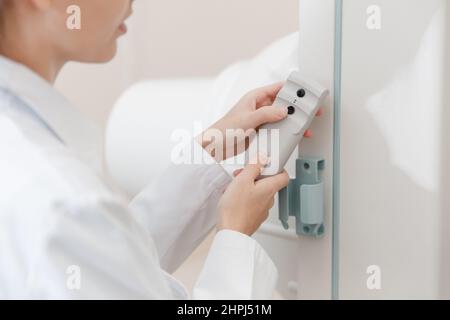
[274, 184]
[253, 170]
[320, 112]
[266, 95]
[266, 114]
[308, 134]
[237, 172]
[270, 114]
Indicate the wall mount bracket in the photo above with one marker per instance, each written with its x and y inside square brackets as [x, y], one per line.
[303, 198]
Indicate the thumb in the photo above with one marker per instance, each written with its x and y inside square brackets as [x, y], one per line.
[267, 114]
[275, 183]
[253, 170]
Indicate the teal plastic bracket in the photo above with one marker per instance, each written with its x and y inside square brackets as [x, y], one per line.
[303, 198]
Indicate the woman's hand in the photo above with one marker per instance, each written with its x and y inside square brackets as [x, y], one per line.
[232, 134]
[246, 203]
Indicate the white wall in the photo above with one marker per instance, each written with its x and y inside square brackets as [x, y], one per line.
[392, 146]
[170, 38]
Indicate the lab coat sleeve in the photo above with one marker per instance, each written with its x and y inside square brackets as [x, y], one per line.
[89, 248]
[178, 208]
[237, 267]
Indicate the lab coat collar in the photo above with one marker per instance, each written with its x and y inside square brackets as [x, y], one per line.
[67, 124]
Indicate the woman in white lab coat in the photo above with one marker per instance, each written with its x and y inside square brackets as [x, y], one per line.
[63, 234]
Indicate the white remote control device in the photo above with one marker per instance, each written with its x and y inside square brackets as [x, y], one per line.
[303, 99]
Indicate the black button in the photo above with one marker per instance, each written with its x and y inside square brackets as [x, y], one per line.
[291, 110]
[301, 93]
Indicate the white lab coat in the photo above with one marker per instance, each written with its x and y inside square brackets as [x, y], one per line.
[65, 235]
